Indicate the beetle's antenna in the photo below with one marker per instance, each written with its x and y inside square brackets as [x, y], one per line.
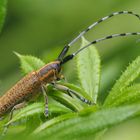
[66, 48]
[71, 56]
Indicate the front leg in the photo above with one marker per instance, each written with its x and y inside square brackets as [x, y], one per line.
[46, 112]
[71, 92]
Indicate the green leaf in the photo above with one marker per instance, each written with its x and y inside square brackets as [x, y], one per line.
[58, 108]
[68, 101]
[88, 63]
[131, 73]
[56, 120]
[30, 110]
[38, 108]
[3, 121]
[29, 63]
[3, 4]
[128, 96]
[32, 123]
[85, 127]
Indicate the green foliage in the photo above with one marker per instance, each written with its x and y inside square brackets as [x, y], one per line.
[2, 12]
[85, 127]
[53, 121]
[131, 73]
[69, 118]
[128, 96]
[30, 110]
[38, 108]
[29, 63]
[89, 71]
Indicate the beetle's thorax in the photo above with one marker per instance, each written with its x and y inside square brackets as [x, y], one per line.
[50, 72]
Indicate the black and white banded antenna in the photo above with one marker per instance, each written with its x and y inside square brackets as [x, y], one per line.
[66, 48]
[71, 56]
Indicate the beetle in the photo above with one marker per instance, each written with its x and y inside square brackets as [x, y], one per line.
[32, 83]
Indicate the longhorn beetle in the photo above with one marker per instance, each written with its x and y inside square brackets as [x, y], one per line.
[35, 81]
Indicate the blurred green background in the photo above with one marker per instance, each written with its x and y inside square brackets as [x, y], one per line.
[42, 27]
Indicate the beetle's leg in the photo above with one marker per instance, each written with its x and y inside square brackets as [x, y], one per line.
[16, 107]
[71, 92]
[46, 112]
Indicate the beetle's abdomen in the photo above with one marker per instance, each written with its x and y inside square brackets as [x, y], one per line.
[22, 91]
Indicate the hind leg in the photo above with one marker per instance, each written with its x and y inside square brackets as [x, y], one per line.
[16, 107]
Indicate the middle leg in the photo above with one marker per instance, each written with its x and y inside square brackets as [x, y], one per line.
[46, 112]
